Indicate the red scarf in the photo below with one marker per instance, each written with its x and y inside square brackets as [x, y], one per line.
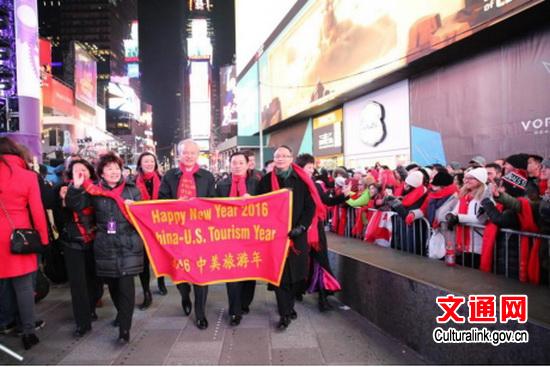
[115, 194]
[463, 232]
[320, 209]
[238, 186]
[87, 236]
[488, 245]
[186, 186]
[140, 183]
[529, 264]
[413, 196]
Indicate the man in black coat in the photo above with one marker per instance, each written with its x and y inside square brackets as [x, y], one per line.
[240, 294]
[303, 209]
[186, 181]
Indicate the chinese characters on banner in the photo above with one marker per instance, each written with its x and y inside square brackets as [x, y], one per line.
[206, 241]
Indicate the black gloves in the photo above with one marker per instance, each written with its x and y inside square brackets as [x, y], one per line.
[296, 232]
[452, 220]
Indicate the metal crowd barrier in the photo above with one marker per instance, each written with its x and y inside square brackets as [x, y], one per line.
[414, 239]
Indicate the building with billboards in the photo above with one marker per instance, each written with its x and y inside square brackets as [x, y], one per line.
[371, 59]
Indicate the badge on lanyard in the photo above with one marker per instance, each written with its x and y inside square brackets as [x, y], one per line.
[111, 226]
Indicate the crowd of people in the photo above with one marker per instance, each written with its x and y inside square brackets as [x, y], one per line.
[86, 216]
[474, 200]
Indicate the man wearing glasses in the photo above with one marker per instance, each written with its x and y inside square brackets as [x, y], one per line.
[303, 210]
[185, 182]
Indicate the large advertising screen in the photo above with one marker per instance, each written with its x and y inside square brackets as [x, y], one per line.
[376, 128]
[333, 46]
[494, 105]
[200, 112]
[228, 89]
[123, 98]
[85, 76]
[247, 103]
[26, 45]
[254, 22]
[57, 96]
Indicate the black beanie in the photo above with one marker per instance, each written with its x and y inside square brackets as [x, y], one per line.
[518, 161]
[442, 179]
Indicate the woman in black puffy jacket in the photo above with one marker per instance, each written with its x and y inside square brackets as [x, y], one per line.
[118, 249]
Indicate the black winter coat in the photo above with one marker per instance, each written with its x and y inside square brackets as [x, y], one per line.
[322, 255]
[204, 184]
[223, 188]
[303, 210]
[119, 254]
[70, 234]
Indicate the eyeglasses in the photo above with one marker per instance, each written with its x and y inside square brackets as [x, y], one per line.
[282, 156]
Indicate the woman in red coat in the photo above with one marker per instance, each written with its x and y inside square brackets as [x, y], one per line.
[19, 196]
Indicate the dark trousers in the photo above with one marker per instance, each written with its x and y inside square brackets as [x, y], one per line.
[23, 289]
[145, 275]
[8, 303]
[285, 300]
[201, 293]
[82, 279]
[240, 294]
[123, 294]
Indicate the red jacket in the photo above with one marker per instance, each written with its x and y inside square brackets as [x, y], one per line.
[20, 194]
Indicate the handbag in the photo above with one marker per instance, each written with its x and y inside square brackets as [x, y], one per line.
[23, 241]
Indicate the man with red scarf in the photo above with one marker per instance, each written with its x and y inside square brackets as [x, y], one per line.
[289, 175]
[240, 294]
[185, 182]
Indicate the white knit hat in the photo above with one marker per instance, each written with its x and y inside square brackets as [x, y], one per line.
[414, 179]
[479, 174]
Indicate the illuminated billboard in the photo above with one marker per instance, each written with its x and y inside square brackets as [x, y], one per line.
[254, 22]
[228, 89]
[247, 103]
[334, 46]
[131, 45]
[199, 45]
[199, 100]
[26, 45]
[85, 76]
[124, 99]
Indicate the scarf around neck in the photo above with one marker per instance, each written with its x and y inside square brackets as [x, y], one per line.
[141, 185]
[238, 186]
[114, 194]
[320, 209]
[186, 187]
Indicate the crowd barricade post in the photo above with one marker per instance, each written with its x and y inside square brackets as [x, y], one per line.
[414, 239]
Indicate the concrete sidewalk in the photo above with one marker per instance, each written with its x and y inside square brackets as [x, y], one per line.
[163, 335]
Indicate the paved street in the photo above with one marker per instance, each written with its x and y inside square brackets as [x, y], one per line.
[163, 335]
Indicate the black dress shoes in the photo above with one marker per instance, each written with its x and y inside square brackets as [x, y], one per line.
[80, 331]
[202, 323]
[123, 337]
[29, 340]
[235, 320]
[293, 315]
[162, 287]
[187, 307]
[147, 300]
[283, 323]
